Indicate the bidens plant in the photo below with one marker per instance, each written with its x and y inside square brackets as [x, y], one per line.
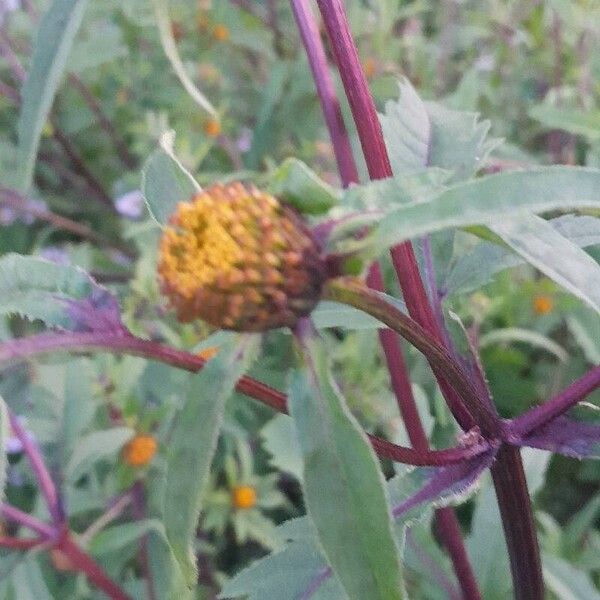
[286, 282]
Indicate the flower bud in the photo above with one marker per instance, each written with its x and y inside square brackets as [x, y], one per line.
[239, 259]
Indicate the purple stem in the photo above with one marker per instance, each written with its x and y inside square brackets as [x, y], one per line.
[39, 468]
[376, 157]
[561, 403]
[518, 522]
[139, 508]
[119, 343]
[18, 516]
[400, 380]
[315, 584]
[326, 90]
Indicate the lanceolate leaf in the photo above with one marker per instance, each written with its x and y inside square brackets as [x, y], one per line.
[194, 440]
[165, 181]
[486, 201]
[350, 509]
[479, 266]
[59, 295]
[542, 246]
[51, 49]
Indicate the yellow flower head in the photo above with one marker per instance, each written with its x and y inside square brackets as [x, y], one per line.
[140, 450]
[243, 496]
[239, 259]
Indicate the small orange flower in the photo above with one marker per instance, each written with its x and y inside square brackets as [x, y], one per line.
[212, 128]
[208, 353]
[221, 33]
[140, 450]
[542, 304]
[243, 497]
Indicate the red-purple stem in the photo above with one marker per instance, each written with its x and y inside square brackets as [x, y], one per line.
[26, 520]
[330, 105]
[84, 563]
[390, 342]
[19, 349]
[39, 468]
[518, 522]
[561, 403]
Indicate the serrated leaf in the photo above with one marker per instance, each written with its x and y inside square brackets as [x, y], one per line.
[61, 296]
[554, 255]
[194, 441]
[50, 52]
[165, 181]
[484, 201]
[98, 445]
[294, 182]
[350, 511]
[406, 130]
[427, 134]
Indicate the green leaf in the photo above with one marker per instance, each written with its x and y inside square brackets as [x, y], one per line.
[165, 181]
[98, 445]
[295, 183]
[478, 267]
[484, 201]
[344, 488]
[585, 328]
[567, 582]
[194, 440]
[59, 295]
[573, 121]
[554, 255]
[517, 334]
[116, 537]
[334, 314]
[406, 130]
[279, 440]
[50, 52]
[28, 580]
[427, 134]
[168, 579]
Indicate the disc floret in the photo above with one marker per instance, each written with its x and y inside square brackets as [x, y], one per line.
[239, 259]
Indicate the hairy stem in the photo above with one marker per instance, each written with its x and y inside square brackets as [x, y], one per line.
[20, 349]
[353, 292]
